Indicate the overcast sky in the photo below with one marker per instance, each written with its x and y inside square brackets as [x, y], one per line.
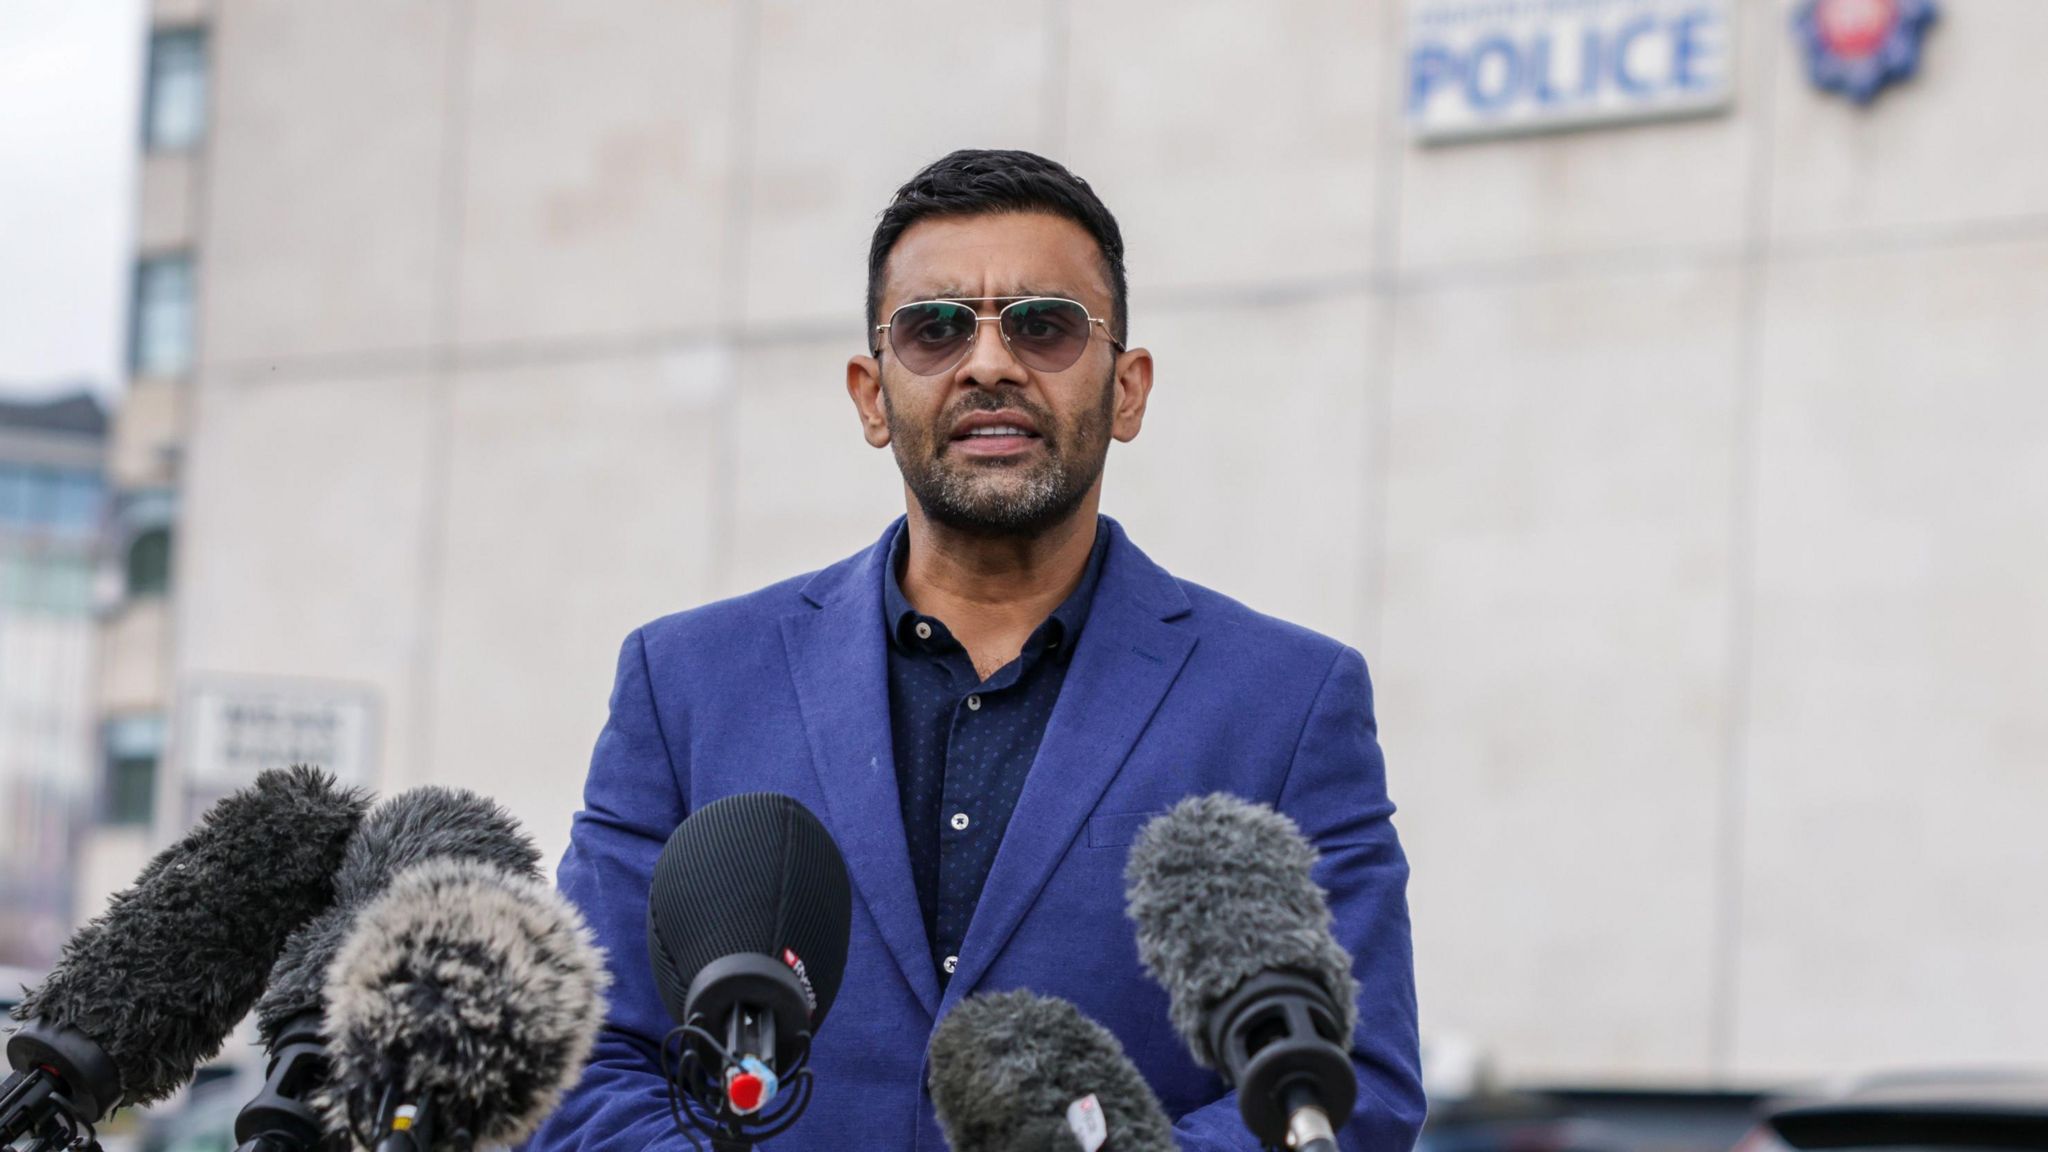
[70, 90]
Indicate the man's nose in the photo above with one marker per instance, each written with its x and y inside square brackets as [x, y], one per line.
[989, 362]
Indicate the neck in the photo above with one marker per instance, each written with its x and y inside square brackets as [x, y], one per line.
[993, 590]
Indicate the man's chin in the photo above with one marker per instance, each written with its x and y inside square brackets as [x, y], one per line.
[1006, 510]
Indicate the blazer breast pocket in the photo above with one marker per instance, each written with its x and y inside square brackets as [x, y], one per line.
[1117, 829]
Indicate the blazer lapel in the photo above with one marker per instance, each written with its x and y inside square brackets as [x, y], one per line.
[1126, 660]
[838, 656]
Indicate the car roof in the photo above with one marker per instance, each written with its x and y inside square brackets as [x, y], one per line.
[1961, 1086]
[1985, 1109]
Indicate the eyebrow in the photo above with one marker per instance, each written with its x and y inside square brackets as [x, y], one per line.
[958, 293]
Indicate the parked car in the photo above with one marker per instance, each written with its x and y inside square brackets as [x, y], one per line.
[202, 1118]
[1954, 1112]
[1588, 1120]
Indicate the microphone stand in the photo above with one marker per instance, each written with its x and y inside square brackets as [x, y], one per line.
[279, 1118]
[404, 1126]
[24, 1094]
[63, 1082]
[1276, 1040]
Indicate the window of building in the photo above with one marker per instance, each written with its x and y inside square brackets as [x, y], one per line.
[17, 485]
[16, 585]
[49, 583]
[162, 339]
[78, 502]
[174, 113]
[134, 744]
[149, 563]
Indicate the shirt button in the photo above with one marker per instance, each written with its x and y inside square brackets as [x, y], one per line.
[924, 630]
[959, 821]
[952, 962]
[974, 703]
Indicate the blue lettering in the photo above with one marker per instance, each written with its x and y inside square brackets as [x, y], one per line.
[1431, 65]
[1548, 68]
[1539, 71]
[1500, 48]
[1624, 43]
[1589, 62]
[1687, 53]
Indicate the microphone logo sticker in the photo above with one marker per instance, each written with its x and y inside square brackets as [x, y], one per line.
[1088, 1124]
[803, 976]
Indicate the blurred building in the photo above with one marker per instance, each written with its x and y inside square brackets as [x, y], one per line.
[1681, 480]
[51, 501]
[134, 686]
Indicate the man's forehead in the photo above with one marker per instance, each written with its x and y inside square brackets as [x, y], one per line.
[1011, 254]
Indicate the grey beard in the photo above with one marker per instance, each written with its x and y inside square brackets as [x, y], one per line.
[969, 503]
[975, 502]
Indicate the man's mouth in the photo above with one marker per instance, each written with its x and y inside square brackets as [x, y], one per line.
[993, 435]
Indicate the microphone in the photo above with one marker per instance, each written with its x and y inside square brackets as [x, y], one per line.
[1232, 925]
[460, 1008]
[415, 826]
[747, 926]
[1018, 1072]
[151, 988]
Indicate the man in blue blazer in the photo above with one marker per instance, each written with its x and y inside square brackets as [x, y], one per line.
[987, 704]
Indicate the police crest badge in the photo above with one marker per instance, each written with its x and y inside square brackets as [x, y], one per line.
[1860, 47]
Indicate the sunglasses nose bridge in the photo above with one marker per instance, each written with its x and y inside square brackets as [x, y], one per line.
[973, 352]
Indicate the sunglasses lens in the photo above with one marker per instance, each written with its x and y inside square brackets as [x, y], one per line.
[1047, 335]
[930, 337]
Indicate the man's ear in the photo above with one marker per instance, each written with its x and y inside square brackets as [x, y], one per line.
[1133, 388]
[864, 385]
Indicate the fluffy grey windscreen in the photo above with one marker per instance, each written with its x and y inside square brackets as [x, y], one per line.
[475, 991]
[161, 978]
[417, 825]
[1221, 890]
[1005, 1067]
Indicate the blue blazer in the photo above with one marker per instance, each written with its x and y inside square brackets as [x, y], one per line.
[1174, 690]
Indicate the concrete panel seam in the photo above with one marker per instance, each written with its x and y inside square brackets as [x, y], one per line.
[740, 161]
[1723, 1012]
[440, 438]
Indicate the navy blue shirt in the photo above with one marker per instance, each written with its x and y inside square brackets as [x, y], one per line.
[964, 744]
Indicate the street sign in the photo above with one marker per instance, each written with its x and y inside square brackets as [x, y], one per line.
[1499, 67]
[237, 728]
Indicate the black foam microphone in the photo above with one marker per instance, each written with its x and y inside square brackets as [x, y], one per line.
[747, 926]
[461, 1007]
[415, 826]
[151, 988]
[1018, 1072]
[1232, 925]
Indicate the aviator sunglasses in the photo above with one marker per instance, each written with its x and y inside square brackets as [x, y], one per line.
[1044, 333]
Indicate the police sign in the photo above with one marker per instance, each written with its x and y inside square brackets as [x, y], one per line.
[1489, 67]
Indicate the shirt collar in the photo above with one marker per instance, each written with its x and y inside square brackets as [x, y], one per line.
[1062, 628]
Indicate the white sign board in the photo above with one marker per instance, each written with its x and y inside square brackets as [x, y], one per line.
[235, 729]
[1494, 67]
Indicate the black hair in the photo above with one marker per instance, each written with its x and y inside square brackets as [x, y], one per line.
[985, 181]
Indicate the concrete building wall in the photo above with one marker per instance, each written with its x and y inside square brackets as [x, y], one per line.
[1680, 482]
